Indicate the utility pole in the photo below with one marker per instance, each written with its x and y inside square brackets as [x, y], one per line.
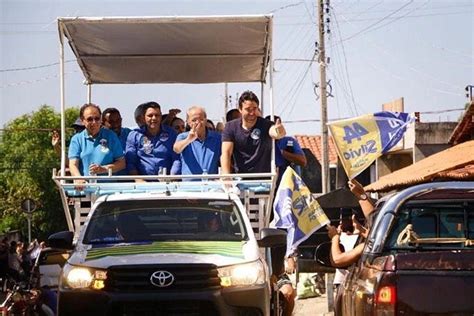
[324, 112]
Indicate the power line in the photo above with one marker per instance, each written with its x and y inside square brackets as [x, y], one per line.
[390, 18]
[286, 6]
[406, 65]
[457, 6]
[345, 62]
[34, 67]
[399, 17]
[379, 21]
[345, 118]
[21, 83]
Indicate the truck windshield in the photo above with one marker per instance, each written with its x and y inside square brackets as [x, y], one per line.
[165, 220]
[433, 226]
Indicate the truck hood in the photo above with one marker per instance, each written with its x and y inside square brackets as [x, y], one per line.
[220, 253]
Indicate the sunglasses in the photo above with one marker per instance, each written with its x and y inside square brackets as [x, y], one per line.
[91, 119]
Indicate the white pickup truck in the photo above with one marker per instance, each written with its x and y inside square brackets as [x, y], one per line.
[168, 246]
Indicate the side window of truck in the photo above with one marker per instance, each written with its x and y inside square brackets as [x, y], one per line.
[453, 220]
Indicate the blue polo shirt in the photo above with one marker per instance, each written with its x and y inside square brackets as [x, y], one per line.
[124, 131]
[286, 143]
[201, 155]
[104, 149]
[147, 154]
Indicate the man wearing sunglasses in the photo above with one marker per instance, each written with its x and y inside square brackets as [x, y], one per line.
[95, 150]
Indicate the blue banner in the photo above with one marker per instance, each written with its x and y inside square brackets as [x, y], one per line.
[296, 210]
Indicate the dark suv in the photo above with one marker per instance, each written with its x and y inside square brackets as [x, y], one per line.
[419, 256]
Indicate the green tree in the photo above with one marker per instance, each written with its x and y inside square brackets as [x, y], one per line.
[26, 163]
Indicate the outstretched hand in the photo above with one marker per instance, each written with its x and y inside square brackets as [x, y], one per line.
[356, 188]
[173, 112]
[332, 231]
[279, 128]
[55, 138]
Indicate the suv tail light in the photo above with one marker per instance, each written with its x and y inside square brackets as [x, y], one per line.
[385, 298]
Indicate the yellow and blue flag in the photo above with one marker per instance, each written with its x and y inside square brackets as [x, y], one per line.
[361, 140]
[296, 210]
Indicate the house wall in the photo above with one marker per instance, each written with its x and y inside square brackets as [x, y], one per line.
[389, 163]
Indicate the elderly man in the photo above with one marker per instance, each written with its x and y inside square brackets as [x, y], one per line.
[249, 139]
[200, 148]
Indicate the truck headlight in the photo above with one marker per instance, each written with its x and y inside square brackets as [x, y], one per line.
[81, 277]
[251, 273]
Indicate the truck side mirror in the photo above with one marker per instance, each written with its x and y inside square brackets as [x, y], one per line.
[272, 237]
[61, 240]
[322, 254]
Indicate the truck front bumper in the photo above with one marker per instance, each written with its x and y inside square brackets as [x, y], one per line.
[254, 300]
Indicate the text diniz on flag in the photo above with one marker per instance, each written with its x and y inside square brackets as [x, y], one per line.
[361, 140]
[296, 210]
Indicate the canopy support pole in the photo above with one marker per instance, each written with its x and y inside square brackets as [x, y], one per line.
[63, 100]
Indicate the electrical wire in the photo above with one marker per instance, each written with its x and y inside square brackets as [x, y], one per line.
[376, 23]
[35, 67]
[345, 62]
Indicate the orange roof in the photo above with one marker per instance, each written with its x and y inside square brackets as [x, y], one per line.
[464, 129]
[454, 163]
[314, 144]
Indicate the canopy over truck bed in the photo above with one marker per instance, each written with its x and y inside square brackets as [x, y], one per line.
[184, 49]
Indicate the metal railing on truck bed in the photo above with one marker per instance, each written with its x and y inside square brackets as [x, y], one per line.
[255, 192]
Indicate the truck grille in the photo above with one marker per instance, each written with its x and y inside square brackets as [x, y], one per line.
[133, 278]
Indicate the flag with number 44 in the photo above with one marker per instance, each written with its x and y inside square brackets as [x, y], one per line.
[361, 140]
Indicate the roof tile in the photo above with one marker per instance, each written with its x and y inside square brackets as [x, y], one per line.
[313, 143]
[453, 163]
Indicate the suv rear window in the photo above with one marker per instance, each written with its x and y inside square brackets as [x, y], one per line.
[165, 220]
[437, 221]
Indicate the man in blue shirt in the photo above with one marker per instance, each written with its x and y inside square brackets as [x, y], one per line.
[112, 120]
[200, 148]
[150, 148]
[94, 150]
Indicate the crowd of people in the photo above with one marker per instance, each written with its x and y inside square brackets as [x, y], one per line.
[17, 258]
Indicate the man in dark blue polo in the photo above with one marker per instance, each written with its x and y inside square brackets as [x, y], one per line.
[249, 139]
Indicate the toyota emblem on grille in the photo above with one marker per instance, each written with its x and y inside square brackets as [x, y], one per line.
[162, 278]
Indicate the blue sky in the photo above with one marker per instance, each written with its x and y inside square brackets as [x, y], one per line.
[422, 50]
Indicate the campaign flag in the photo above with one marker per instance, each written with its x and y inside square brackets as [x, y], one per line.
[361, 140]
[296, 210]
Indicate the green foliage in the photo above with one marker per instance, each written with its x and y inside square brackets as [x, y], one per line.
[26, 162]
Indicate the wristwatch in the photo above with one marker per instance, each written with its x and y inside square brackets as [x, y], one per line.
[363, 197]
